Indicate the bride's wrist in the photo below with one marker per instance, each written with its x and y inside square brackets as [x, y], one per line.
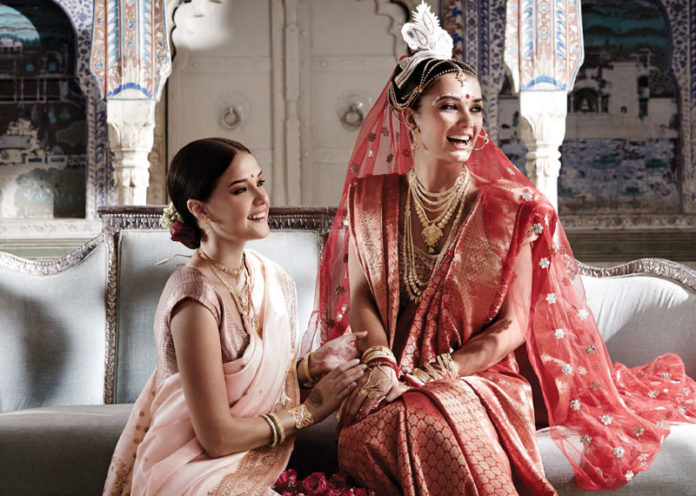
[315, 368]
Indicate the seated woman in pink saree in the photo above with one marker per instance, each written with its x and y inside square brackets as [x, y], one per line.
[219, 414]
[455, 263]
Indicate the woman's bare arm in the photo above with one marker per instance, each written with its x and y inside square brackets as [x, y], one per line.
[199, 358]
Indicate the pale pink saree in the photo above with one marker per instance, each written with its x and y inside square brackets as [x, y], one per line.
[158, 452]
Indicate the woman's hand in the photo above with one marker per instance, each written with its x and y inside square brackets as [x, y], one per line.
[378, 384]
[329, 392]
[335, 352]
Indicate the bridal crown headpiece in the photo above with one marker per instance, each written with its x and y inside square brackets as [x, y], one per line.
[430, 42]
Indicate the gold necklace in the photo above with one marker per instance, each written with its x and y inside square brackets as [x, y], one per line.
[446, 204]
[414, 285]
[242, 296]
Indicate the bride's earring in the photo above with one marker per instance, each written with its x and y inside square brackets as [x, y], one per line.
[414, 145]
[484, 138]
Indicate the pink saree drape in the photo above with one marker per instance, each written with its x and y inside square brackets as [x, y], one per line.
[158, 452]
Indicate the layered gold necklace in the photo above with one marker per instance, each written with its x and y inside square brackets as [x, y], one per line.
[443, 205]
[241, 291]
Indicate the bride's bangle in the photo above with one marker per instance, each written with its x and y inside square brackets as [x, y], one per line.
[304, 369]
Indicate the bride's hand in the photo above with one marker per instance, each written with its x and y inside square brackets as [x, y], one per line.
[329, 392]
[378, 384]
[335, 352]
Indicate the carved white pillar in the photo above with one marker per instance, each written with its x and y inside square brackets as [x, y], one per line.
[130, 60]
[131, 135]
[543, 52]
[542, 128]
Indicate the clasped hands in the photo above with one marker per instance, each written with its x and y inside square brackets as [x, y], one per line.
[381, 382]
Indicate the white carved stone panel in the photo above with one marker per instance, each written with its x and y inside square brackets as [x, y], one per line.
[348, 50]
[221, 79]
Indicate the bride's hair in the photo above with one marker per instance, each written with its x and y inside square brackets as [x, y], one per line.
[426, 71]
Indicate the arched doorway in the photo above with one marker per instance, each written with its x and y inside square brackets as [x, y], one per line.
[43, 124]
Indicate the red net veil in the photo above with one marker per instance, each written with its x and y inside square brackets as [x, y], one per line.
[609, 421]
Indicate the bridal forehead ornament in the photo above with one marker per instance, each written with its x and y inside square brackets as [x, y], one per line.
[426, 39]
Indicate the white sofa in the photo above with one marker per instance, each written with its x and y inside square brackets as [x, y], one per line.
[78, 346]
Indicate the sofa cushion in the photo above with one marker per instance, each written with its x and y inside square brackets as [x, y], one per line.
[59, 451]
[670, 474]
[632, 313]
[140, 283]
[53, 335]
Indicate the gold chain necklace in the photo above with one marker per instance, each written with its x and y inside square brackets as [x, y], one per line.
[414, 285]
[241, 297]
[433, 229]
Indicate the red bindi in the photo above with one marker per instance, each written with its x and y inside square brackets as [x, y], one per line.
[467, 96]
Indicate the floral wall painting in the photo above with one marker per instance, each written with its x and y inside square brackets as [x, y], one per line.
[43, 124]
[621, 152]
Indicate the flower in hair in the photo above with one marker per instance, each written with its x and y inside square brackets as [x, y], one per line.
[425, 33]
[170, 216]
[183, 234]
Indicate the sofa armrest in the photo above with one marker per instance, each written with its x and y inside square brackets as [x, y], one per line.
[644, 309]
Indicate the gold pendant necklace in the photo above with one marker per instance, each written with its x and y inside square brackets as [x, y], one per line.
[445, 202]
[415, 287]
[241, 297]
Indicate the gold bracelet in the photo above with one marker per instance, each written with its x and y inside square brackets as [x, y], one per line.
[421, 375]
[446, 363]
[378, 347]
[274, 431]
[279, 426]
[432, 372]
[304, 367]
[377, 351]
[302, 416]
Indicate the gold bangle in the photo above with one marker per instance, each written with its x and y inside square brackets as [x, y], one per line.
[302, 416]
[274, 431]
[377, 351]
[279, 427]
[304, 366]
[446, 363]
[421, 375]
[432, 372]
[378, 347]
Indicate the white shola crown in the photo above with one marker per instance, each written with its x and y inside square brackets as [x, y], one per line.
[425, 33]
[426, 38]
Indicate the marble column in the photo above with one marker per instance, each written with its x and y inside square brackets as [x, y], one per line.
[131, 61]
[543, 53]
[131, 126]
[542, 129]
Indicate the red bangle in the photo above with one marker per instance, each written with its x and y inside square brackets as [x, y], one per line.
[384, 361]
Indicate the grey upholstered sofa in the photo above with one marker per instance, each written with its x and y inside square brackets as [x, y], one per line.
[78, 346]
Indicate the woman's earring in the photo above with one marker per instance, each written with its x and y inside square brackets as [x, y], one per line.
[206, 225]
[414, 145]
[484, 138]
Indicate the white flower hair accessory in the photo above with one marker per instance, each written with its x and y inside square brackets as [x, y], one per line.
[170, 216]
[426, 38]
